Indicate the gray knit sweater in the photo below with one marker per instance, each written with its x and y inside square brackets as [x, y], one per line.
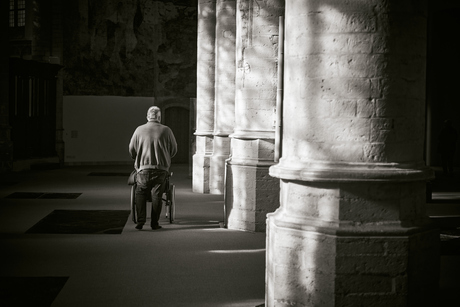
[152, 146]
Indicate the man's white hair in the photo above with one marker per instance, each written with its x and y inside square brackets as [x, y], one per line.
[153, 113]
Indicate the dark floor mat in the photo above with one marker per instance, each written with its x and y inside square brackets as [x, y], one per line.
[41, 195]
[82, 222]
[30, 291]
[109, 174]
[60, 195]
[24, 195]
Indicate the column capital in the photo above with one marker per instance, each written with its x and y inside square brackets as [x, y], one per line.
[222, 133]
[325, 171]
[253, 134]
[346, 228]
[209, 133]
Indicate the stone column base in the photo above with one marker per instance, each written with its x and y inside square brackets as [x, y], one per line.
[221, 153]
[201, 164]
[251, 195]
[355, 242]
[200, 182]
[314, 266]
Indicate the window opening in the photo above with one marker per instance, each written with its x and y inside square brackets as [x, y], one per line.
[17, 13]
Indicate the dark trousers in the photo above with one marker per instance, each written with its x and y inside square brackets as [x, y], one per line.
[151, 184]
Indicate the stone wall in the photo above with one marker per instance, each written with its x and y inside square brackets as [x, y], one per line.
[130, 48]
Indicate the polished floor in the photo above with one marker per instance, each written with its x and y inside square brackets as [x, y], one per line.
[192, 262]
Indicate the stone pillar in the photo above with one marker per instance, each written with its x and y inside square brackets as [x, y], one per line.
[351, 229]
[205, 95]
[224, 118]
[254, 193]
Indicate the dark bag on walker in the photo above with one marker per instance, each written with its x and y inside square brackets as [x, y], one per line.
[132, 178]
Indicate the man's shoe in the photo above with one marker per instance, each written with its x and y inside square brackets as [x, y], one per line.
[139, 226]
[156, 227]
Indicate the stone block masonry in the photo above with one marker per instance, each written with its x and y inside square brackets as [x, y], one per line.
[352, 229]
[252, 196]
[254, 193]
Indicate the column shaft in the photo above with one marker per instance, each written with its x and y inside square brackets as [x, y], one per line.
[254, 192]
[224, 119]
[205, 94]
[351, 229]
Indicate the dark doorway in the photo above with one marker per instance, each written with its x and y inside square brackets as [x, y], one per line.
[177, 118]
[32, 108]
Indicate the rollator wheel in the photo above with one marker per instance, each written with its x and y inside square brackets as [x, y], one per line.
[169, 213]
[133, 203]
[172, 202]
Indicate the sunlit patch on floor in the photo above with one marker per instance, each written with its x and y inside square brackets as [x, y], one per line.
[82, 222]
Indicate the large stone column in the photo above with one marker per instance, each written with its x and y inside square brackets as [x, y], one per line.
[224, 118]
[351, 229]
[252, 192]
[205, 94]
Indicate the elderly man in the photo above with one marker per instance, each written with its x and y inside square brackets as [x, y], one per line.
[152, 146]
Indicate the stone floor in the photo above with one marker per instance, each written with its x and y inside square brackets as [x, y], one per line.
[79, 257]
